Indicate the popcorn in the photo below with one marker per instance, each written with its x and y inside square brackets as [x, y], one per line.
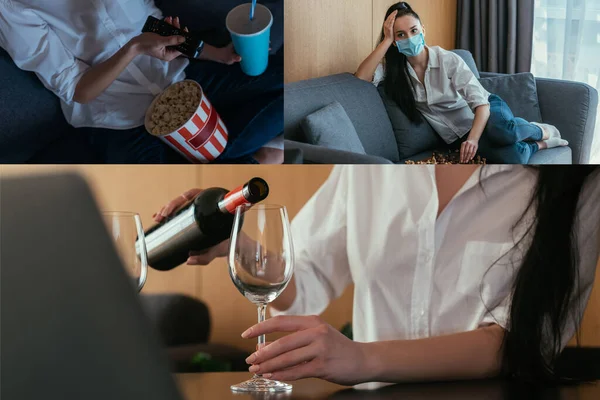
[450, 158]
[174, 108]
[185, 120]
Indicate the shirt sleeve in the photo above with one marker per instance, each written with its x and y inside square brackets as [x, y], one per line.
[465, 82]
[34, 46]
[378, 75]
[588, 241]
[322, 271]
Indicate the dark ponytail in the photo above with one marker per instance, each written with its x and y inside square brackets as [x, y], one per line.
[397, 83]
[542, 299]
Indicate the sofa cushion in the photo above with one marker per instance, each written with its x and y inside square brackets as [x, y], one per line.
[558, 155]
[360, 100]
[330, 127]
[72, 148]
[30, 115]
[519, 91]
[411, 138]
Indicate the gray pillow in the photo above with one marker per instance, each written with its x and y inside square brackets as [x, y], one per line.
[411, 138]
[519, 91]
[331, 127]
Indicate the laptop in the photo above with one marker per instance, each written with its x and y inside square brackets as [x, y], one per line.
[72, 326]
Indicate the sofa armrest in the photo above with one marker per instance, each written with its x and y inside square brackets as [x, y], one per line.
[321, 155]
[293, 155]
[180, 320]
[572, 108]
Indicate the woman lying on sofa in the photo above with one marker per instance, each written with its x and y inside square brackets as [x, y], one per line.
[436, 85]
[106, 72]
[459, 272]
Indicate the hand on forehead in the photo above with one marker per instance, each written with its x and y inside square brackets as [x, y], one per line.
[408, 25]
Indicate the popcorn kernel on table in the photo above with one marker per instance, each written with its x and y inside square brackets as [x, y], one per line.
[453, 157]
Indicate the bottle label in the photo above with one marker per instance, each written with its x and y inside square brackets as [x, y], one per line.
[234, 199]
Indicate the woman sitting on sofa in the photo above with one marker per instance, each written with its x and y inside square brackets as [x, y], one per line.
[436, 85]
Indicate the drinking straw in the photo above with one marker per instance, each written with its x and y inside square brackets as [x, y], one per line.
[252, 10]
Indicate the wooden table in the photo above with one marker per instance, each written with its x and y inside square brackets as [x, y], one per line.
[216, 386]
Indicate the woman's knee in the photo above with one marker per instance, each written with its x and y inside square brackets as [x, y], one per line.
[501, 134]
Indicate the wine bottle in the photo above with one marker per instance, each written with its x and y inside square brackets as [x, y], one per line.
[201, 223]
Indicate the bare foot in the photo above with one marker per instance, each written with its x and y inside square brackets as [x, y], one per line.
[542, 145]
[269, 155]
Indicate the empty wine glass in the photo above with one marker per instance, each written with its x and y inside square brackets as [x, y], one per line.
[125, 228]
[261, 264]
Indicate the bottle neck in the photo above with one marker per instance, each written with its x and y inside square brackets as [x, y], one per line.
[252, 192]
[234, 199]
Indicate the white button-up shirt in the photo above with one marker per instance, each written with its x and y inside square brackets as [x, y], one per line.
[417, 275]
[60, 40]
[449, 96]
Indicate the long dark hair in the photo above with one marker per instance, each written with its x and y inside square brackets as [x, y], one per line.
[542, 293]
[397, 84]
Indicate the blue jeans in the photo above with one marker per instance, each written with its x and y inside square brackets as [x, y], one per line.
[250, 107]
[507, 139]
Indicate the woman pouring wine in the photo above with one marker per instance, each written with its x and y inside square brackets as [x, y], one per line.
[459, 273]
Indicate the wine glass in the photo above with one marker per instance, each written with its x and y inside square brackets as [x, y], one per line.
[261, 264]
[126, 230]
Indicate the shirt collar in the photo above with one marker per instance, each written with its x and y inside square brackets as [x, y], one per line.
[481, 174]
[434, 62]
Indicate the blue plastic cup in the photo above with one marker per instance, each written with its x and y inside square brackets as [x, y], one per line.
[251, 38]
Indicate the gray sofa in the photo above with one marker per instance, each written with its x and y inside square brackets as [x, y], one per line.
[570, 106]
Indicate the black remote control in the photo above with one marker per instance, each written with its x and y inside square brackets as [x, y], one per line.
[193, 45]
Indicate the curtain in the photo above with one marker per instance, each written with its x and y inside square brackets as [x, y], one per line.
[566, 45]
[497, 32]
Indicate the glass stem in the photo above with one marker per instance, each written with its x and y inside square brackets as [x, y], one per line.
[262, 309]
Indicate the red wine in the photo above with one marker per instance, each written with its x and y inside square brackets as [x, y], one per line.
[200, 224]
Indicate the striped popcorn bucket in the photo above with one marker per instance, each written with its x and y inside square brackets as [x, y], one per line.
[202, 138]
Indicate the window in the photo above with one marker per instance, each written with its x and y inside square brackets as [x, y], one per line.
[566, 45]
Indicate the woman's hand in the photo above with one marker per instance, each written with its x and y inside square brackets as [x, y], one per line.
[224, 55]
[100, 76]
[388, 27]
[314, 349]
[157, 46]
[195, 257]
[468, 150]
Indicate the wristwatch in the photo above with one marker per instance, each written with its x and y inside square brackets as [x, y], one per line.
[199, 49]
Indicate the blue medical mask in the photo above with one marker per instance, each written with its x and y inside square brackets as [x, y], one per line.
[413, 46]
